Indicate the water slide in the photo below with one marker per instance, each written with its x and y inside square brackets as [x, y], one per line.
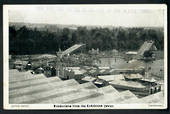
[71, 49]
[145, 47]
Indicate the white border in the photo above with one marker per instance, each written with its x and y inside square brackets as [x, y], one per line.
[6, 104]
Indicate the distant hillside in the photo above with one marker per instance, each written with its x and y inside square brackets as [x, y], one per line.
[43, 27]
[48, 27]
[55, 27]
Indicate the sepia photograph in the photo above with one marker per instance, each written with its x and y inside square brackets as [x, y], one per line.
[85, 56]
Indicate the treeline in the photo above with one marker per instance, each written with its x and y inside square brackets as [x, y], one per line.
[33, 41]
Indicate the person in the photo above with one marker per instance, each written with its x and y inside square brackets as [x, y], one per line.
[152, 90]
[29, 65]
[53, 71]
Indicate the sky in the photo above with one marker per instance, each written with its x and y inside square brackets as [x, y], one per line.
[100, 15]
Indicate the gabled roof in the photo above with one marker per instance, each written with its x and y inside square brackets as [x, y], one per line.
[26, 88]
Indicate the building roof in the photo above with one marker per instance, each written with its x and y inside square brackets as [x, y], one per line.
[114, 51]
[111, 77]
[88, 78]
[20, 62]
[39, 92]
[108, 89]
[77, 72]
[16, 76]
[74, 68]
[122, 98]
[107, 94]
[154, 98]
[132, 84]
[131, 53]
[26, 88]
[134, 76]
[127, 94]
[44, 56]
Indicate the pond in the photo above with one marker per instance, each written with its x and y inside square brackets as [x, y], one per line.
[112, 62]
[155, 67]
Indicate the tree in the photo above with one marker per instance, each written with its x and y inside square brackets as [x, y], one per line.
[33, 41]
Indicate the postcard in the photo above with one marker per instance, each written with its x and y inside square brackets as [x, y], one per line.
[93, 56]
